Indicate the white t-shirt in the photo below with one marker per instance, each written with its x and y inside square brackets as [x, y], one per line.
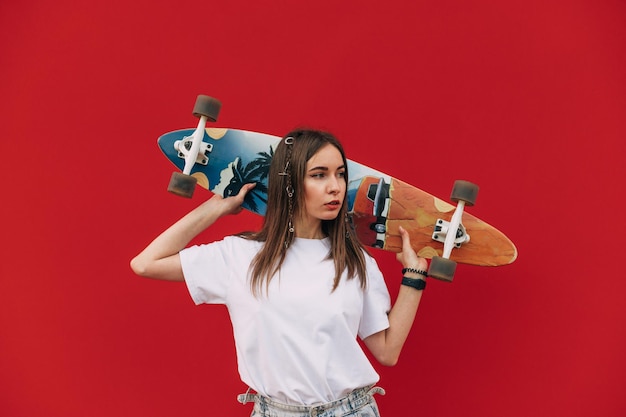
[297, 344]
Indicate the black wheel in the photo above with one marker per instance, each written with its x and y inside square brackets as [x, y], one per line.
[182, 185]
[464, 191]
[442, 268]
[207, 106]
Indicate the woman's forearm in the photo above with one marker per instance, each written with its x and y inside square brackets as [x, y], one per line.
[160, 258]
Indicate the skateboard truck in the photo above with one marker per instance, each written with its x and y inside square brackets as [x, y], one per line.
[183, 147]
[442, 228]
[452, 233]
[192, 149]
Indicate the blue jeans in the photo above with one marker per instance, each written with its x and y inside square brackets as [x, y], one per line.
[359, 403]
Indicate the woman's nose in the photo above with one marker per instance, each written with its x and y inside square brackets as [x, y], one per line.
[333, 185]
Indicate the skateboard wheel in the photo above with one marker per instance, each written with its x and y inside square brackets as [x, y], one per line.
[207, 106]
[464, 191]
[182, 185]
[442, 268]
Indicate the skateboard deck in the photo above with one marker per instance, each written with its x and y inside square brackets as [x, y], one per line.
[377, 203]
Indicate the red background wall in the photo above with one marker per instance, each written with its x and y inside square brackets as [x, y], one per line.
[525, 98]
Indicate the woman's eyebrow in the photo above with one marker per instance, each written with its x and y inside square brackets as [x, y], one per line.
[322, 168]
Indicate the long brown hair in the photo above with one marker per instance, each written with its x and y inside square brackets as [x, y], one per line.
[286, 175]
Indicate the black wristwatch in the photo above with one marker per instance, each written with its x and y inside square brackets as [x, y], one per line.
[417, 283]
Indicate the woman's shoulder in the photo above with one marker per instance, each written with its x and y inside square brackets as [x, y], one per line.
[370, 261]
[367, 255]
[242, 241]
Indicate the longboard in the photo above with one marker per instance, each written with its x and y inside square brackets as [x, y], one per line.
[378, 203]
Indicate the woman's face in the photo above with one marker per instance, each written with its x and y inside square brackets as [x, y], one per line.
[324, 189]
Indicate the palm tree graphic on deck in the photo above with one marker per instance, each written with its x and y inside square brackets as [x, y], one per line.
[256, 171]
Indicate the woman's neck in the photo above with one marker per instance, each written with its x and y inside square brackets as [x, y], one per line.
[309, 230]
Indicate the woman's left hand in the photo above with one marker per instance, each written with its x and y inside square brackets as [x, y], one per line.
[408, 258]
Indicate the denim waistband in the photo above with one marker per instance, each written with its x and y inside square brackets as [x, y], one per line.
[353, 401]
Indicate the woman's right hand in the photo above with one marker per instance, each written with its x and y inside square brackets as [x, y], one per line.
[233, 204]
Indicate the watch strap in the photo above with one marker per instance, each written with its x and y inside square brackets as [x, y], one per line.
[417, 283]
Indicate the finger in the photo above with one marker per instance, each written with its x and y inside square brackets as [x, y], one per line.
[406, 239]
[245, 189]
[408, 254]
[404, 236]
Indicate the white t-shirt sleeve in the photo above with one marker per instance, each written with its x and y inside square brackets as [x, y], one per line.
[206, 271]
[376, 302]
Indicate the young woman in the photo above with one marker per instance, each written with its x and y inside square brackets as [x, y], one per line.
[299, 291]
